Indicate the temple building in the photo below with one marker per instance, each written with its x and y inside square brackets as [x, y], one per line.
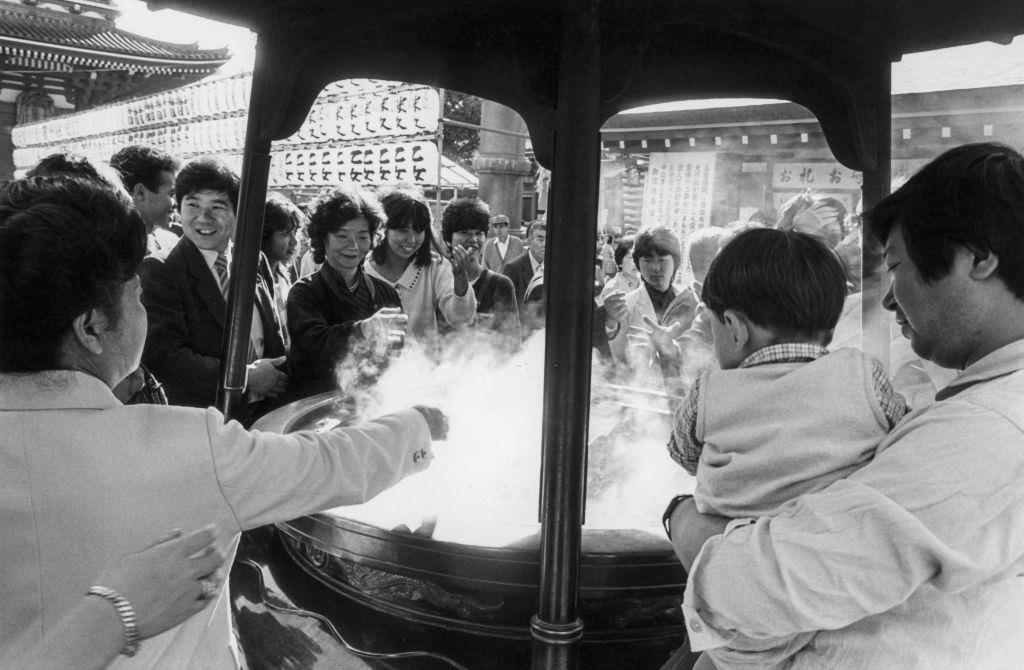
[702, 164]
[59, 56]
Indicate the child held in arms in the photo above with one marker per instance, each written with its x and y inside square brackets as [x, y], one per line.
[783, 416]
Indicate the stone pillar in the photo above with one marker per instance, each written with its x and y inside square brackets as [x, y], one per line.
[502, 165]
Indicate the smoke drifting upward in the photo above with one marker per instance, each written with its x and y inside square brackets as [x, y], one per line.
[483, 486]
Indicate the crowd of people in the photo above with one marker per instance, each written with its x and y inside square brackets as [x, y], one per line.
[832, 525]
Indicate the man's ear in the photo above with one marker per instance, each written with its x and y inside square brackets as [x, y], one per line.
[87, 328]
[983, 264]
[738, 327]
[138, 192]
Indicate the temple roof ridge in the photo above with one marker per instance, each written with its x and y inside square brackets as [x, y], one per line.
[33, 28]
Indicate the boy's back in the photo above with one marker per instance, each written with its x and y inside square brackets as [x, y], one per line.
[782, 426]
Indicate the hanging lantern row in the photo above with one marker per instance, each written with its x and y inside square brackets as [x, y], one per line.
[347, 110]
[369, 165]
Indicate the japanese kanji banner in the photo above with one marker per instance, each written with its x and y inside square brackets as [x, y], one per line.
[678, 191]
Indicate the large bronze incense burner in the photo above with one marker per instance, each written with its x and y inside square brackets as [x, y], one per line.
[483, 578]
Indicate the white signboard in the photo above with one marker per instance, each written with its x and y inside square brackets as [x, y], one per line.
[824, 176]
[678, 191]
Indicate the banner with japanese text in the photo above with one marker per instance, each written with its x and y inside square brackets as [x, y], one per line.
[678, 191]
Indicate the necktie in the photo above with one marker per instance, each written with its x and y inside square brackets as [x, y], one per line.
[221, 266]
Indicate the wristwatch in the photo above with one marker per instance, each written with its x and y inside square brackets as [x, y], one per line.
[667, 516]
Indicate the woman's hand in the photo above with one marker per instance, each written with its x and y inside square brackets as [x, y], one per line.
[663, 339]
[388, 324]
[169, 581]
[615, 307]
[459, 259]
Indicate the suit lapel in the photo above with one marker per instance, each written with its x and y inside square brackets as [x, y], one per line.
[202, 280]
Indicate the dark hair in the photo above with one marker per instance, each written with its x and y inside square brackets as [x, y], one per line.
[281, 214]
[971, 196]
[64, 163]
[67, 245]
[657, 241]
[464, 214]
[141, 164]
[336, 208]
[622, 249]
[206, 173]
[785, 280]
[406, 206]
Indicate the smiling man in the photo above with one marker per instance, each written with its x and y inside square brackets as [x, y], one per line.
[915, 561]
[148, 175]
[185, 296]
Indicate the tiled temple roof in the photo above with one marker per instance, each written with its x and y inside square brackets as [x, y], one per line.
[33, 38]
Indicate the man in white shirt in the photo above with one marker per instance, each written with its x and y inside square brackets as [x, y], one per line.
[915, 561]
[502, 248]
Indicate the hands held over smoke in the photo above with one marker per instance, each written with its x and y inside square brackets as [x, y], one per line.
[388, 325]
[615, 306]
[436, 421]
[663, 339]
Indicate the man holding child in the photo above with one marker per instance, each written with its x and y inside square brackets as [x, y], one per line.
[916, 559]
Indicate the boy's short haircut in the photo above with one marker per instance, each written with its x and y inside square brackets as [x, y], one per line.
[657, 241]
[206, 173]
[464, 214]
[786, 281]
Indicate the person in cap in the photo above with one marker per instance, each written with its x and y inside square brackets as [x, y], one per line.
[502, 248]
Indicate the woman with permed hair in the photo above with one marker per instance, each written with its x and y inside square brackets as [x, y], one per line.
[409, 259]
[340, 304]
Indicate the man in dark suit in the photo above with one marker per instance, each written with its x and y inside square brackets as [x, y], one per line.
[527, 275]
[522, 269]
[185, 299]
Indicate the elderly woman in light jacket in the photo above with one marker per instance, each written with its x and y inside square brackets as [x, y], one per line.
[86, 478]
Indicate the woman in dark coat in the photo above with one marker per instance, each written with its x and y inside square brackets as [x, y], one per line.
[339, 309]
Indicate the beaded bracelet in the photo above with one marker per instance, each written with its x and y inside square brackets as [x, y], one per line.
[128, 618]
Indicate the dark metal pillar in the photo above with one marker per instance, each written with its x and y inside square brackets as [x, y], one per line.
[875, 320]
[569, 273]
[245, 257]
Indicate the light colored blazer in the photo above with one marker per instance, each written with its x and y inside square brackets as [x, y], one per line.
[86, 480]
[492, 258]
